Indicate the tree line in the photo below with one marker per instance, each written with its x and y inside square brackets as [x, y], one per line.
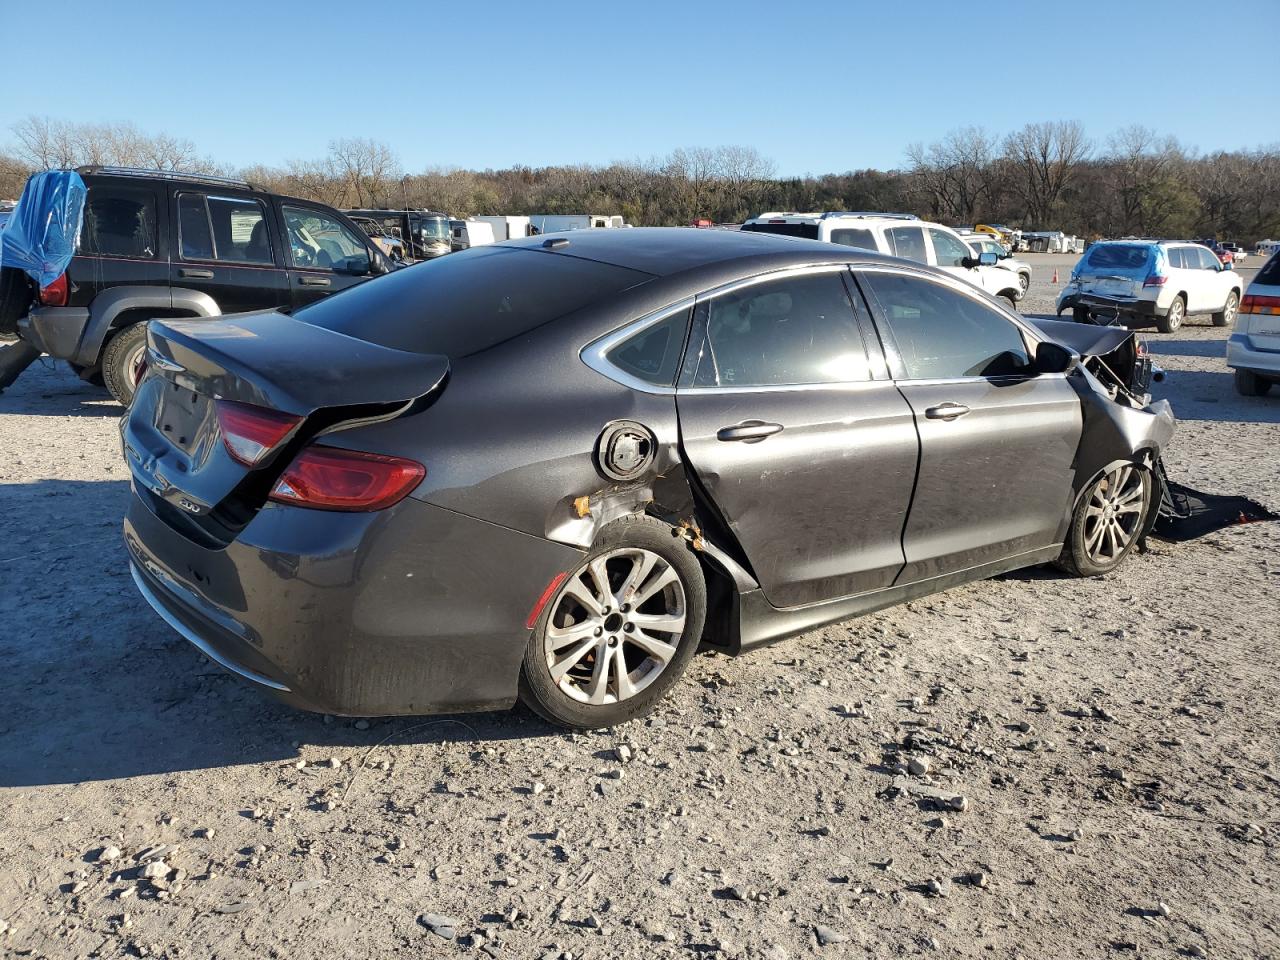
[1044, 176]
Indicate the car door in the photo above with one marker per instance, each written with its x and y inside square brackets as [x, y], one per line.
[121, 239]
[997, 441]
[226, 248]
[1184, 275]
[1217, 281]
[325, 254]
[805, 448]
[949, 253]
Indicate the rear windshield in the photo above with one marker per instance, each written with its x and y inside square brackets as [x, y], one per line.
[807, 230]
[1270, 272]
[467, 302]
[1118, 256]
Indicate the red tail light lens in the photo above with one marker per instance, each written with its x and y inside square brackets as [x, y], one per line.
[328, 478]
[1252, 303]
[1155, 280]
[251, 432]
[55, 294]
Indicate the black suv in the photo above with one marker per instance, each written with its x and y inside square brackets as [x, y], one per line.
[157, 244]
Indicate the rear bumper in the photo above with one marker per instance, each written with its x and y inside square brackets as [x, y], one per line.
[412, 610]
[1244, 354]
[1124, 307]
[55, 330]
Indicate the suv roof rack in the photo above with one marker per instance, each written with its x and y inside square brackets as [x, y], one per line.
[165, 175]
[869, 214]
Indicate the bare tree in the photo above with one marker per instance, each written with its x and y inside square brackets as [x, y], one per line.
[1045, 156]
[46, 144]
[954, 176]
[367, 169]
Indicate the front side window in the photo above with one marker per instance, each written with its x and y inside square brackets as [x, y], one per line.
[854, 237]
[1207, 260]
[653, 354]
[907, 242]
[794, 330]
[950, 250]
[319, 241]
[226, 229]
[119, 223]
[944, 334]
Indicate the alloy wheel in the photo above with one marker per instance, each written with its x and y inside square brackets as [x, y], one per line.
[1114, 514]
[1230, 310]
[134, 365]
[614, 626]
[1175, 313]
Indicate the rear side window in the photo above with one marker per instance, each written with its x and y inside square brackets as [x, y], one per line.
[792, 330]
[228, 229]
[943, 334]
[1270, 272]
[1181, 259]
[808, 231]
[907, 242]
[653, 354]
[466, 302]
[854, 237]
[119, 223]
[1118, 256]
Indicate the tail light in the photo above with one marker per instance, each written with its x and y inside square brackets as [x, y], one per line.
[55, 294]
[1252, 303]
[249, 432]
[1155, 280]
[329, 478]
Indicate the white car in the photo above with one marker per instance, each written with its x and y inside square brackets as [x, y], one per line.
[1151, 282]
[985, 243]
[1253, 349]
[898, 235]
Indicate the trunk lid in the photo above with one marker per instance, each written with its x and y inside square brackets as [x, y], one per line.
[1118, 269]
[308, 378]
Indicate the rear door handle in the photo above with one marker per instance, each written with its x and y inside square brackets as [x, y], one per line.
[191, 274]
[313, 281]
[947, 411]
[749, 431]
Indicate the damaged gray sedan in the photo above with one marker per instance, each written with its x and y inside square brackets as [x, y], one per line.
[552, 469]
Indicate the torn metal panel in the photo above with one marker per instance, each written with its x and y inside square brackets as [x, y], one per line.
[1115, 431]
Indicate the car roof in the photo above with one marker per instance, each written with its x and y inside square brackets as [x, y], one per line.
[666, 251]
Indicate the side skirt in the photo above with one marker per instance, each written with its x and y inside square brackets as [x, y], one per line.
[758, 622]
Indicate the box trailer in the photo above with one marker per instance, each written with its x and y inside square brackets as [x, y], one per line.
[559, 222]
[507, 228]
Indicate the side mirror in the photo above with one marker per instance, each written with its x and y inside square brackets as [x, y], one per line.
[1054, 358]
[987, 259]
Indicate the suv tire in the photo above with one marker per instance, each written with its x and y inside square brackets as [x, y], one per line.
[626, 547]
[119, 361]
[1229, 310]
[1172, 320]
[1249, 384]
[15, 297]
[1119, 499]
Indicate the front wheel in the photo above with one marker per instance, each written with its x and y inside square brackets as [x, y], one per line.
[620, 631]
[1011, 300]
[1229, 311]
[1024, 284]
[122, 362]
[1172, 320]
[1107, 521]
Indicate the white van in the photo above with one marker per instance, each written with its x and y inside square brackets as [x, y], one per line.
[507, 228]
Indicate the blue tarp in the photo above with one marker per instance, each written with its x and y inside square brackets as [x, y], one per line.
[41, 235]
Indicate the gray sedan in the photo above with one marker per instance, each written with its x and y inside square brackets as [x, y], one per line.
[552, 469]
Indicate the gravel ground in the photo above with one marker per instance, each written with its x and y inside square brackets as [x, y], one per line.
[1090, 766]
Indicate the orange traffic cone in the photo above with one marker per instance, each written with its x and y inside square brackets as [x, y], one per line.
[1055, 274]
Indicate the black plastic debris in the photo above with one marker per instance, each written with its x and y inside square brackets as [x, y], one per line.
[1186, 514]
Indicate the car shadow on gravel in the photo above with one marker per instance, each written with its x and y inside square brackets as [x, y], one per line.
[1186, 348]
[1211, 395]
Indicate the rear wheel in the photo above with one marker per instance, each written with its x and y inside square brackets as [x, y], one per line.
[1172, 320]
[1229, 311]
[1107, 521]
[1080, 315]
[122, 361]
[1249, 384]
[620, 630]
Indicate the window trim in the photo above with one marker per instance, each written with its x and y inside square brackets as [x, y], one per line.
[897, 369]
[288, 247]
[213, 239]
[595, 353]
[156, 225]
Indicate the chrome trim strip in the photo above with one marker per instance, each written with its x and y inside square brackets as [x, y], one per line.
[847, 386]
[196, 641]
[730, 287]
[594, 353]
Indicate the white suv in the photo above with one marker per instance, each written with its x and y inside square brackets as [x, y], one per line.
[985, 243]
[1253, 350]
[1145, 282]
[898, 235]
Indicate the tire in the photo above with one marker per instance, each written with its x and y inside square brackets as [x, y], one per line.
[1080, 315]
[1089, 552]
[119, 371]
[1229, 310]
[1249, 384]
[1011, 300]
[1024, 284]
[1172, 320]
[15, 298]
[621, 550]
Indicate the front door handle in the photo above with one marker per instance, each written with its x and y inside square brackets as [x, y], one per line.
[191, 274]
[749, 431]
[313, 281]
[947, 411]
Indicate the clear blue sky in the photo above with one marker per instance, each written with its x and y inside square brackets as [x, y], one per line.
[816, 87]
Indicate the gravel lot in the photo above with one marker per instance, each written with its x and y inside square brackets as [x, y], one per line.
[1114, 742]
